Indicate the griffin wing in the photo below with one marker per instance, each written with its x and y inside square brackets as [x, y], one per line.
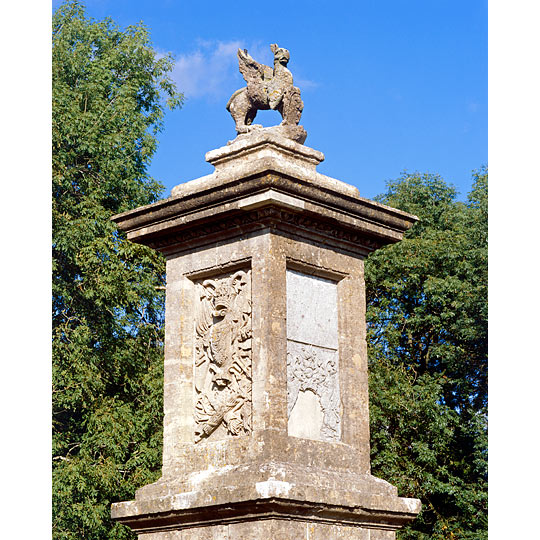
[251, 70]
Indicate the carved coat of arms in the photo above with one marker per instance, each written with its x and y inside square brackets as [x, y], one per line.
[223, 356]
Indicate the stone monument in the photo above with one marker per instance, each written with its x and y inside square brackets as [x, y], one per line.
[266, 426]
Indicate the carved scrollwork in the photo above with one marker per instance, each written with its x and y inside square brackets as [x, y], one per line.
[223, 356]
[313, 368]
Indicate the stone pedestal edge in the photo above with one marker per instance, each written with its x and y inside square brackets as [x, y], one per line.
[168, 514]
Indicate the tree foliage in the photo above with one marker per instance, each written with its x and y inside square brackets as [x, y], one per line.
[109, 88]
[427, 335]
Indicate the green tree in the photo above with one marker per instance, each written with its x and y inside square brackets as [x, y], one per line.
[427, 338]
[109, 89]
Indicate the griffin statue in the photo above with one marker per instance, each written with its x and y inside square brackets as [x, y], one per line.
[267, 88]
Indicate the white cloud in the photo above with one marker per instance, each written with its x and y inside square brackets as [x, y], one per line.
[211, 71]
[305, 84]
[208, 71]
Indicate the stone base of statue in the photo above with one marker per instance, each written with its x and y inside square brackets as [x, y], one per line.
[294, 133]
[266, 428]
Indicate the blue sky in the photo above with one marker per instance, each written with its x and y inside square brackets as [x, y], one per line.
[387, 85]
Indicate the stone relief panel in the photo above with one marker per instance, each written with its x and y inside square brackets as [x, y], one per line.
[222, 371]
[313, 395]
[314, 369]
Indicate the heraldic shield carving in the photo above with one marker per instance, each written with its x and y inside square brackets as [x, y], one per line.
[223, 356]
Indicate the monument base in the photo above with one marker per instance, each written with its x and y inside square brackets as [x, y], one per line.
[274, 501]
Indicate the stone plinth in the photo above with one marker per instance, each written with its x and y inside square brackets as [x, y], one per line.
[266, 429]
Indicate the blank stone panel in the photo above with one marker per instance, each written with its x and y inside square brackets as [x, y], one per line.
[313, 400]
[312, 310]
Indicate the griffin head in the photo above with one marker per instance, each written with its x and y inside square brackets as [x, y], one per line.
[281, 55]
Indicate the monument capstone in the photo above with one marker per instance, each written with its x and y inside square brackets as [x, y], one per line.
[266, 420]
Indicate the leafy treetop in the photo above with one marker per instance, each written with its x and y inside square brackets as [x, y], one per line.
[110, 89]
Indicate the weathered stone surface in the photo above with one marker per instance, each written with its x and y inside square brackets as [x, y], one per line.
[261, 151]
[273, 529]
[265, 182]
[313, 399]
[266, 426]
[381, 535]
[324, 531]
[312, 310]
